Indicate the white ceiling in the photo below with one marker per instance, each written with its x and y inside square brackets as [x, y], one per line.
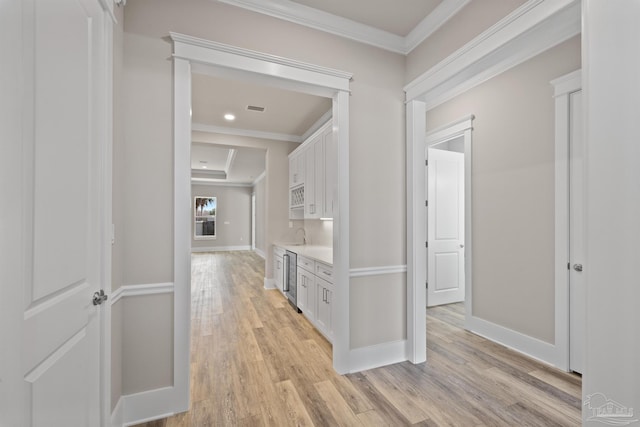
[286, 112]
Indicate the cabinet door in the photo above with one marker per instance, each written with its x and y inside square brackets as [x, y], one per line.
[330, 159]
[278, 272]
[301, 291]
[296, 172]
[310, 182]
[324, 297]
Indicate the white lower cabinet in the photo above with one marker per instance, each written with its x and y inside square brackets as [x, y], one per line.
[307, 293]
[278, 268]
[315, 294]
[324, 311]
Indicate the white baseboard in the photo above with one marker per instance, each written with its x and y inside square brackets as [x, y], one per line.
[269, 284]
[221, 249]
[148, 406]
[260, 253]
[117, 416]
[378, 355]
[529, 346]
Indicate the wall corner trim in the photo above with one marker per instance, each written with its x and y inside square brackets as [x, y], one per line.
[260, 253]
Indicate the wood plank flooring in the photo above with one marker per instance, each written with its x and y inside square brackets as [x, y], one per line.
[255, 362]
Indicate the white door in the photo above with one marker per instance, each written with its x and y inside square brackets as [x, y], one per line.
[445, 227]
[577, 296]
[63, 233]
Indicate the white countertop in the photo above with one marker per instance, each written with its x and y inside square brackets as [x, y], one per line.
[319, 253]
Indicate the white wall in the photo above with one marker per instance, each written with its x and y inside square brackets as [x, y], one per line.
[611, 66]
[233, 216]
[513, 190]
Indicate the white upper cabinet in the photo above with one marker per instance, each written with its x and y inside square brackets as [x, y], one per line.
[312, 173]
[296, 168]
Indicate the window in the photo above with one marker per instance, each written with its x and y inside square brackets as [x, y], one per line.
[204, 218]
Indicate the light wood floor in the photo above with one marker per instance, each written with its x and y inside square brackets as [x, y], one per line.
[255, 362]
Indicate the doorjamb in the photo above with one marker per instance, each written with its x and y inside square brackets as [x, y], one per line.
[258, 67]
[563, 87]
[460, 128]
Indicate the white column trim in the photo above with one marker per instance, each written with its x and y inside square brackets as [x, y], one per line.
[416, 233]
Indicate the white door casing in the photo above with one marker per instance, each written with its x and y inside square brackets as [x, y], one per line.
[577, 295]
[564, 89]
[65, 213]
[445, 227]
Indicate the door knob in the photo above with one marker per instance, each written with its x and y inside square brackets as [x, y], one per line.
[99, 297]
[577, 267]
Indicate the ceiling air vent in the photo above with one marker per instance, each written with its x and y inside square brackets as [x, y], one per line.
[255, 108]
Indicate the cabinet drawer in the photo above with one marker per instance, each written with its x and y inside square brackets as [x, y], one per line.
[324, 271]
[306, 263]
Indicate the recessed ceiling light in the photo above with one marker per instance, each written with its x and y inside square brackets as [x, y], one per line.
[204, 167]
[229, 117]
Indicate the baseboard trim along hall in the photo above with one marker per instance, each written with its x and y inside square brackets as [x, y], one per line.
[221, 249]
[529, 346]
[378, 355]
[260, 253]
[146, 406]
[270, 284]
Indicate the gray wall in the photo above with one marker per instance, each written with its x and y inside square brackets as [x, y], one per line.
[259, 190]
[233, 216]
[513, 190]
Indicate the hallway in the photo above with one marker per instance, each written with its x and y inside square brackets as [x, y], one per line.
[255, 362]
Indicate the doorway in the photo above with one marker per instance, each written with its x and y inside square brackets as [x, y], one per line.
[278, 72]
[445, 222]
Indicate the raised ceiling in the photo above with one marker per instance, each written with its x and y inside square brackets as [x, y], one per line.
[217, 164]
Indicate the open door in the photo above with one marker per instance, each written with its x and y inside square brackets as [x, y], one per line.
[445, 226]
[63, 199]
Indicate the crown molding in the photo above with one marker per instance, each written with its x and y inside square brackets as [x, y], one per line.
[536, 26]
[199, 127]
[432, 22]
[347, 28]
[323, 21]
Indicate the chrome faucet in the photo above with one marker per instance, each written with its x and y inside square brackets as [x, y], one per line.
[304, 235]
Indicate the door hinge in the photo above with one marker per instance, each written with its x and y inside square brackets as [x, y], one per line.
[426, 162]
[568, 266]
[427, 285]
[426, 244]
[426, 203]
